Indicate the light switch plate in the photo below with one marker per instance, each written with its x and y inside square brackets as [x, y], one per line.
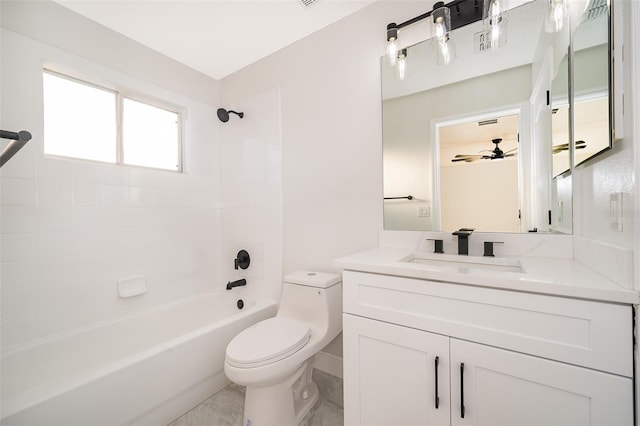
[615, 211]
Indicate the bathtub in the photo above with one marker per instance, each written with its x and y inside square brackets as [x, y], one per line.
[147, 369]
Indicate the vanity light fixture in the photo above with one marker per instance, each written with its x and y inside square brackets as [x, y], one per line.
[442, 24]
[392, 43]
[494, 19]
[446, 17]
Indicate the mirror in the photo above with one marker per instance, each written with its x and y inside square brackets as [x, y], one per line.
[591, 77]
[426, 187]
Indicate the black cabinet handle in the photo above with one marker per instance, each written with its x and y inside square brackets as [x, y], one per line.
[437, 398]
[462, 390]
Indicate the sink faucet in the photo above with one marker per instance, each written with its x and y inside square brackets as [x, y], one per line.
[237, 283]
[463, 239]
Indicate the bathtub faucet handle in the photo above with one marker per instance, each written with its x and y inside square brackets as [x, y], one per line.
[237, 283]
[242, 260]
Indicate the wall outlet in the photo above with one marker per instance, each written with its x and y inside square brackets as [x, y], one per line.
[424, 211]
[615, 211]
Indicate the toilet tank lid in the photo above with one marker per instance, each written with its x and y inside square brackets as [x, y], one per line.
[313, 278]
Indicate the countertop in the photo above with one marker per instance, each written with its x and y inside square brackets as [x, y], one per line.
[556, 277]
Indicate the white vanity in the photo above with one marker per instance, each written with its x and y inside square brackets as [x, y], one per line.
[484, 341]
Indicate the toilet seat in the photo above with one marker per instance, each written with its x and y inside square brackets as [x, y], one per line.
[267, 342]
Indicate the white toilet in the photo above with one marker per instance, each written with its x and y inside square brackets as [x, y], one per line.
[274, 358]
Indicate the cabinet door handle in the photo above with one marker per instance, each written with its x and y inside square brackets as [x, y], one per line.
[462, 390]
[437, 398]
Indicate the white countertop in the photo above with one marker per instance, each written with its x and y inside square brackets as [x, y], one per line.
[557, 277]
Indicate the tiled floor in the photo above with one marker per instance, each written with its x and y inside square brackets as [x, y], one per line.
[225, 408]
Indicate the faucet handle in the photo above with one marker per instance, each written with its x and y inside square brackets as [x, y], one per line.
[438, 245]
[242, 260]
[488, 248]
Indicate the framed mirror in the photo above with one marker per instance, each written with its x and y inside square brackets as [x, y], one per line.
[427, 183]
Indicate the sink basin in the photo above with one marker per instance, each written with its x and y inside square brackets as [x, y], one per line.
[466, 263]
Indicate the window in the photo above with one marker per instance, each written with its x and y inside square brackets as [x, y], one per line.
[82, 120]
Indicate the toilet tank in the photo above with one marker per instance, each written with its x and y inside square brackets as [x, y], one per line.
[315, 298]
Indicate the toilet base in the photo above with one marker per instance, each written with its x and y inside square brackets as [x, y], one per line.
[281, 404]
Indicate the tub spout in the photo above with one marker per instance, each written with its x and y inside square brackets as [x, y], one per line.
[237, 283]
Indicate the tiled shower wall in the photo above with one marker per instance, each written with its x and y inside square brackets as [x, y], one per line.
[71, 229]
[251, 214]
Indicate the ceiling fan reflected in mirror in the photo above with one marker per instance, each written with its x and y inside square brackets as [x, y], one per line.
[496, 154]
[565, 146]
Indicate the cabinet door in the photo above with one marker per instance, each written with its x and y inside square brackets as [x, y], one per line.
[390, 375]
[499, 387]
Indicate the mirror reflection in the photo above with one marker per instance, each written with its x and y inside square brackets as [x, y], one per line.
[591, 82]
[442, 166]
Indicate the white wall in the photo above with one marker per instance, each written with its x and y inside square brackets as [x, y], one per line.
[71, 229]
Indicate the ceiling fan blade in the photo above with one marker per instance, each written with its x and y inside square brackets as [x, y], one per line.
[511, 150]
[513, 154]
[466, 159]
[565, 146]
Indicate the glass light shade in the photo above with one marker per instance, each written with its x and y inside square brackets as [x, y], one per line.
[393, 45]
[442, 23]
[494, 19]
[392, 51]
[445, 48]
[556, 15]
[402, 68]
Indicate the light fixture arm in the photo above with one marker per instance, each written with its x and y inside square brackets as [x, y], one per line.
[458, 19]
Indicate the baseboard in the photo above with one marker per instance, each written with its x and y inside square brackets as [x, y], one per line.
[330, 364]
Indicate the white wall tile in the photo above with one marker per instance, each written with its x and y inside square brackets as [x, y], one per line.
[87, 173]
[55, 244]
[53, 192]
[18, 247]
[87, 194]
[55, 169]
[55, 218]
[15, 219]
[18, 275]
[115, 195]
[18, 191]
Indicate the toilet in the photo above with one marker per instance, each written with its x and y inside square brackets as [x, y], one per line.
[274, 358]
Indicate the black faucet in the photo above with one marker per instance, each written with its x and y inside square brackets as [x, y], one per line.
[237, 283]
[463, 239]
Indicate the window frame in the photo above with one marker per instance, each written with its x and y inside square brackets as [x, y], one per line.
[121, 93]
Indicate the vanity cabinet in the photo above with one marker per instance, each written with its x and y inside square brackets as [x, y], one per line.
[503, 358]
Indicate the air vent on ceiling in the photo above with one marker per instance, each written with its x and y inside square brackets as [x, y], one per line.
[487, 122]
[595, 9]
[308, 2]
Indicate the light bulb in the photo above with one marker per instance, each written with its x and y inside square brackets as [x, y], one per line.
[392, 51]
[402, 64]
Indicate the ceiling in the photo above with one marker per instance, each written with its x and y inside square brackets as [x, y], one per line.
[215, 37]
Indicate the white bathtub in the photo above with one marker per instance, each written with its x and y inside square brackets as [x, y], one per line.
[147, 369]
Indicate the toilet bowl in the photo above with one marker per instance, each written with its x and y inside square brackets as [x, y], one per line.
[274, 358]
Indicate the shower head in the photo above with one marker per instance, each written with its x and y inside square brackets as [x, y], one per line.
[223, 114]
